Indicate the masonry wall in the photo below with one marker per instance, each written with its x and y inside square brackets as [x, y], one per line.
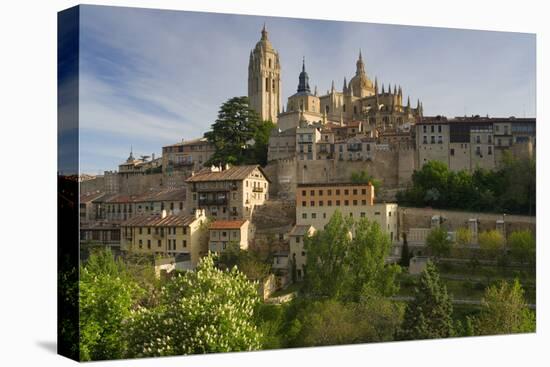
[421, 218]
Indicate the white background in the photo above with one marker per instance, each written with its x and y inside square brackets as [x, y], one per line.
[28, 182]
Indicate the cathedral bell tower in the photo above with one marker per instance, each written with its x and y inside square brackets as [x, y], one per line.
[264, 79]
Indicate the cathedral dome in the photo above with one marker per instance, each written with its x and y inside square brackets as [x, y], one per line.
[264, 42]
[360, 85]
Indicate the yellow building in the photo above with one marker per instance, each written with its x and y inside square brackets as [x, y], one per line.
[166, 235]
[223, 232]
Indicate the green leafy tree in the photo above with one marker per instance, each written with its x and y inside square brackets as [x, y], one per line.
[238, 135]
[523, 247]
[247, 261]
[492, 242]
[429, 314]
[363, 177]
[438, 242]
[107, 295]
[504, 311]
[405, 253]
[331, 322]
[463, 236]
[205, 311]
[346, 258]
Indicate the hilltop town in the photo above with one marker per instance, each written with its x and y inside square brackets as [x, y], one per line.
[177, 208]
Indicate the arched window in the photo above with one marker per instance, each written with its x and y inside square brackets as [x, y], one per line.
[269, 61]
[344, 107]
[273, 82]
[267, 84]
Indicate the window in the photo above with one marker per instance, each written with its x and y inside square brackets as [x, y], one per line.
[439, 128]
[303, 203]
[312, 192]
[337, 202]
[160, 244]
[432, 128]
[362, 214]
[148, 244]
[337, 192]
[363, 202]
[329, 203]
[312, 203]
[489, 139]
[376, 213]
[303, 192]
[432, 139]
[478, 139]
[267, 84]
[354, 191]
[313, 215]
[346, 192]
[224, 234]
[297, 239]
[140, 230]
[320, 202]
[148, 230]
[324, 215]
[355, 202]
[452, 151]
[346, 202]
[363, 191]
[425, 139]
[184, 243]
[329, 192]
[424, 129]
[490, 150]
[320, 192]
[304, 215]
[439, 139]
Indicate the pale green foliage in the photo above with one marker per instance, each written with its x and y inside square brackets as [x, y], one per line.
[504, 311]
[209, 310]
[492, 242]
[106, 297]
[342, 266]
[438, 242]
[523, 247]
[332, 322]
[463, 236]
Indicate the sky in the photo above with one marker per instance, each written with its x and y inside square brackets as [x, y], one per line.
[150, 78]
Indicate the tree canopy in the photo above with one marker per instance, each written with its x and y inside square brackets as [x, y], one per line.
[348, 258]
[429, 314]
[438, 242]
[239, 135]
[510, 188]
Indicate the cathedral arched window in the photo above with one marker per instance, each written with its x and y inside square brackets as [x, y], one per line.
[269, 61]
[273, 82]
[344, 107]
[267, 84]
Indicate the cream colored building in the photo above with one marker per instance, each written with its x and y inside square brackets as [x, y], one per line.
[297, 251]
[223, 232]
[316, 203]
[230, 192]
[179, 235]
[186, 155]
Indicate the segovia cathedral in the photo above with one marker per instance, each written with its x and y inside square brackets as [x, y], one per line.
[360, 101]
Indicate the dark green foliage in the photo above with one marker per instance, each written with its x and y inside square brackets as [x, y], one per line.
[238, 134]
[429, 314]
[363, 177]
[405, 254]
[510, 189]
[249, 262]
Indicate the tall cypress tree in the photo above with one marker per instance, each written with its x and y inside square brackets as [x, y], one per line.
[429, 314]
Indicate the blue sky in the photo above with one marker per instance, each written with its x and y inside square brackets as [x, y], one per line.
[150, 78]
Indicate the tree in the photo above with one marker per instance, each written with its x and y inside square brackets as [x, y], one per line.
[492, 242]
[208, 310]
[247, 261]
[107, 295]
[523, 247]
[504, 311]
[438, 242]
[348, 257]
[363, 177]
[463, 236]
[405, 254]
[238, 135]
[331, 322]
[428, 315]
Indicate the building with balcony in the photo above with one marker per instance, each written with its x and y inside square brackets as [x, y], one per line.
[223, 232]
[176, 235]
[230, 192]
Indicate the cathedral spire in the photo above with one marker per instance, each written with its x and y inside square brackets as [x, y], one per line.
[264, 33]
[332, 87]
[408, 102]
[303, 84]
[395, 89]
[345, 85]
[375, 85]
[382, 88]
[360, 65]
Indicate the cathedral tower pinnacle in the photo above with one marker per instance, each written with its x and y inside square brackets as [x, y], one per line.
[264, 79]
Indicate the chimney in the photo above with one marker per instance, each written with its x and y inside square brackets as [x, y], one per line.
[163, 213]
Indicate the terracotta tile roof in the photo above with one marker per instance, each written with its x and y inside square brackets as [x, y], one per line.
[156, 220]
[227, 224]
[234, 173]
[90, 196]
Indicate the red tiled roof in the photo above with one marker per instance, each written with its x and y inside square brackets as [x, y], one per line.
[233, 173]
[227, 224]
